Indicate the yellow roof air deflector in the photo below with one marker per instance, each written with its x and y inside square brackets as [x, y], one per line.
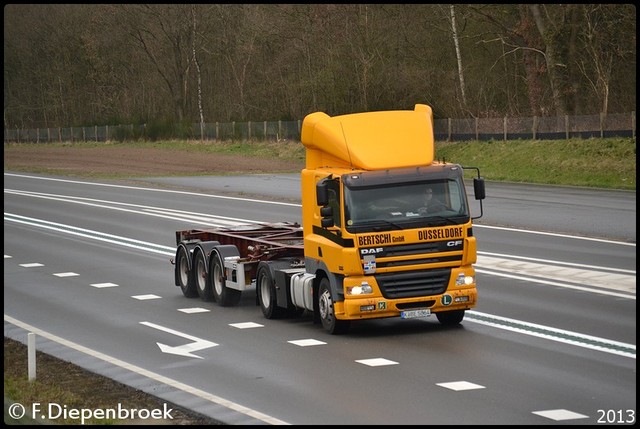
[370, 140]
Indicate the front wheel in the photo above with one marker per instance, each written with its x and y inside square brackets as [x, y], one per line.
[225, 296]
[327, 312]
[450, 317]
[184, 274]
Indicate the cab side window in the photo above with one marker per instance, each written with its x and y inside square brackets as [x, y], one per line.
[334, 201]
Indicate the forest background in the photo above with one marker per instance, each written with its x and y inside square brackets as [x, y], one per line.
[82, 65]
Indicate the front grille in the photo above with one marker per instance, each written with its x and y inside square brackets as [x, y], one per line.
[409, 284]
[433, 260]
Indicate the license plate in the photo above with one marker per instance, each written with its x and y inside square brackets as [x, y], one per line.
[412, 314]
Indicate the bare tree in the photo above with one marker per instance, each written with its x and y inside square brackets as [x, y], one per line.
[199, 76]
[454, 33]
[605, 45]
[550, 56]
[163, 33]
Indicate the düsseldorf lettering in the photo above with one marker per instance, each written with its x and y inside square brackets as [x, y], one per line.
[439, 234]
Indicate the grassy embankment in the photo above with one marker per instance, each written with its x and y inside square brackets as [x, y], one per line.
[600, 163]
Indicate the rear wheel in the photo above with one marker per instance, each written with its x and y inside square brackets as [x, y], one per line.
[327, 312]
[225, 296]
[450, 317]
[184, 274]
[201, 280]
[267, 297]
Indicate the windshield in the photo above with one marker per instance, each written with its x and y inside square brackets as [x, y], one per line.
[406, 205]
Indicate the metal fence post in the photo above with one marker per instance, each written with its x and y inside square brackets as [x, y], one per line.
[31, 355]
[477, 135]
[504, 127]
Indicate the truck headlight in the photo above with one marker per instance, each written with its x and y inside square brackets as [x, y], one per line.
[464, 280]
[363, 289]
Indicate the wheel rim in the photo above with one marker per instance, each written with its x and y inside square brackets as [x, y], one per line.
[184, 270]
[201, 275]
[265, 291]
[218, 278]
[325, 305]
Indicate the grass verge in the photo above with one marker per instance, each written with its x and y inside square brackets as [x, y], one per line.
[61, 387]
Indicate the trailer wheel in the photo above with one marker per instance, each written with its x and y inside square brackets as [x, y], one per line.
[225, 296]
[184, 274]
[327, 313]
[266, 290]
[201, 280]
[450, 317]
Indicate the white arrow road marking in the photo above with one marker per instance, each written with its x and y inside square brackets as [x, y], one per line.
[185, 349]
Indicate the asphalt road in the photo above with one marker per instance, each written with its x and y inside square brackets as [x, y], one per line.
[552, 340]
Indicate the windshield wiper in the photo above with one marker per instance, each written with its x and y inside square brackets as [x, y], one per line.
[376, 225]
[444, 219]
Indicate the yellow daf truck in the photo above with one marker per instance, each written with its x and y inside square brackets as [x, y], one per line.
[386, 231]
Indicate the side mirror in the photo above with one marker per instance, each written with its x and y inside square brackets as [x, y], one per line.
[322, 194]
[478, 188]
[326, 213]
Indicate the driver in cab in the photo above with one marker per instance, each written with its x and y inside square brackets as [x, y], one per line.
[431, 204]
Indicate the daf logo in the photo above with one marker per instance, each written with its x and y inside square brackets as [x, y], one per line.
[454, 243]
[371, 251]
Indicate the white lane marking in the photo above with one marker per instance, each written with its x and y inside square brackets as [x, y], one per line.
[555, 234]
[69, 274]
[562, 285]
[149, 374]
[32, 265]
[306, 343]
[376, 362]
[556, 263]
[179, 215]
[223, 197]
[460, 385]
[186, 350]
[246, 325]
[193, 310]
[559, 415]
[146, 297]
[608, 280]
[87, 233]
[103, 285]
[554, 334]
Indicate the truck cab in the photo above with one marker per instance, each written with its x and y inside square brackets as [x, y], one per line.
[373, 247]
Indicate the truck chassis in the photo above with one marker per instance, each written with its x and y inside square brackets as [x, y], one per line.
[219, 264]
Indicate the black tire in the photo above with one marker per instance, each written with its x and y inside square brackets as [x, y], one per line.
[201, 280]
[267, 298]
[327, 313]
[184, 275]
[225, 296]
[450, 317]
